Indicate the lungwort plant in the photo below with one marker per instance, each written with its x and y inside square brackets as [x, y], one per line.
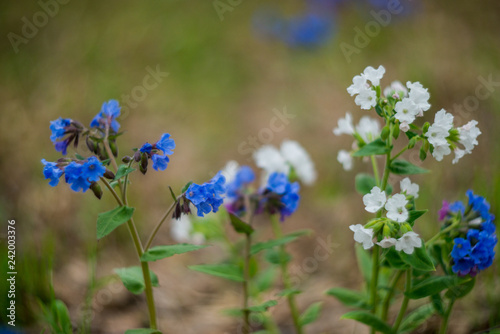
[462, 248]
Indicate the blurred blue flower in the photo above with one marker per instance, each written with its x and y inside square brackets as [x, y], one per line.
[160, 162]
[58, 128]
[243, 177]
[287, 193]
[209, 196]
[146, 148]
[277, 183]
[107, 116]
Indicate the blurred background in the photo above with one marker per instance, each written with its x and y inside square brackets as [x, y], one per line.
[222, 71]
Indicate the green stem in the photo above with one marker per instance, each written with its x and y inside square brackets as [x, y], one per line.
[157, 227]
[375, 170]
[400, 152]
[444, 323]
[246, 279]
[144, 265]
[292, 304]
[388, 297]
[444, 231]
[406, 300]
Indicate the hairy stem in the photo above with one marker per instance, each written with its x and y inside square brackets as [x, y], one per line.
[406, 300]
[388, 297]
[444, 323]
[157, 227]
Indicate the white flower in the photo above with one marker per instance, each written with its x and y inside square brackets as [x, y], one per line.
[375, 200]
[458, 155]
[387, 242]
[404, 126]
[368, 128]
[374, 75]
[300, 160]
[181, 231]
[406, 111]
[366, 99]
[443, 119]
[420, 96]
[345, 159]
[270, 159]
[468, 135]
[439, 130]
[411, 189]
[229, 171]
[396, 208]
[344, 125]
[395, 88]
[440, 151]
[408, 242]
[358, 83]
[363, 235]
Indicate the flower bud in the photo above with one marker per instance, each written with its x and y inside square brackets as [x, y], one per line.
[91, 145]
[412, 142]
[387, 231]
[137, 156]
[385, 133]
[395, 132]
[143, 166]
[109, 174]
[425, 127]
[96, 189]
[126, 159]
[422, 153]
[177, 211]
[114, 148]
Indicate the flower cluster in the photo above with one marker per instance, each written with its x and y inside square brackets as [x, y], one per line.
[443, 136]
[157, 152]
[80, 174]
[292, 158]
[65, 127]
[281, 195]
[106, 118]
[206, 197]
[475, 235]
[396, 222]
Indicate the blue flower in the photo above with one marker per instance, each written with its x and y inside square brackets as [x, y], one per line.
[277, 183]
[93, 169]
[146, 148]
[75, 177]
[457, 206]
[107, 116]
[463, 266]
[208, 196]
[62, 146]
[166, 144]
[461, 248]
[52, 172]
[58, 128]
[309, 30]
[479, 204]
[243, 177]
[290, 200]
[160, 162]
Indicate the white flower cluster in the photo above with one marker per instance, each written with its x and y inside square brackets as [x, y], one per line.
[290, 155]
[413, 106]
[367, 129]
[439, 133]
[366, 95]
[396, 211]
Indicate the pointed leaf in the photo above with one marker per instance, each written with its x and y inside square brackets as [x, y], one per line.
[403, 167]
[365, 182]
[364, 262]
[369, 319]
[260, 246]
[461, 290]
[350, 298]
[414, 215]
[228, 271]
[263, 307]
[310, 314]
[186, 186]
[122, 171]
[416, 318]
[393, 257]
[161, 252]
[108, 221]
[288, 292]
[376, 147]
[133, 279]
[419, 260]
[434, 285]
[239, 225]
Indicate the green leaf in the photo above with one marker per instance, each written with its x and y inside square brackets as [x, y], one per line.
[437, 304]
[143, 331]
[227, 271]
[264, 281]
[133, 279]
[300, 233]
[460, 290]
[365, 182]
[62, 315]
[410, 134]
[108, 221]
[414, 215]
[433, 285]
[122, 171]
[364, 262]
[310, 314]
[274, 256]
[186, 186]
[239, 225]
[79, 157]
[393, 257]
[161, 252]
[174, 197]
[263, 307]
[260, 246]
[379, 111]
[350, 298]
[376, 147]
[369, 319]
[416, 318]
[288, 292]
[403, 167]
[419, 260]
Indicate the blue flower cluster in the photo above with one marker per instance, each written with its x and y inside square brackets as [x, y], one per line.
[476, 251]
[60, 128]
[149, 151]
[79, 174]
[207, 197]
[243, 177]
[107, 116]
[288, 193]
